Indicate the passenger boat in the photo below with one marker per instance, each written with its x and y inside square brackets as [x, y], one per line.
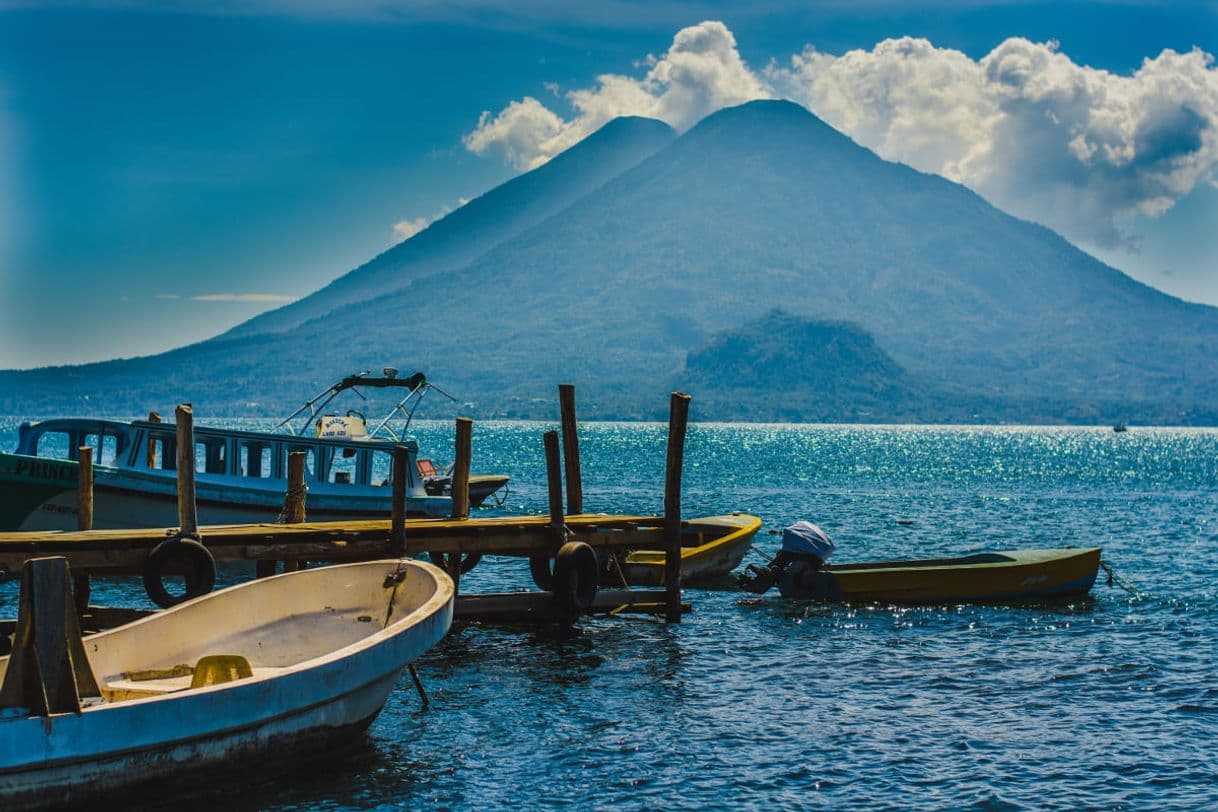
[241, 475]
[711, 547]
[257, 671]
[992, 577]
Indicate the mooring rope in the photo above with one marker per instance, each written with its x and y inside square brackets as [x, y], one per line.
[291, 496]
[1113, 578]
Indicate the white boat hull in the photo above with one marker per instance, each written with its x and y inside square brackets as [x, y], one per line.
[66, 758]
[124, 499]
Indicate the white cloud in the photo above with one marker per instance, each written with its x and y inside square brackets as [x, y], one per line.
[405, 229]
[167, 296]
[701, 72]
[1078, 149]
[243, 297]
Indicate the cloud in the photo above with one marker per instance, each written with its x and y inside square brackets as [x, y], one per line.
[405, 229]
[701, 72]
[167, 296]
[243, 297]
[1078, 149]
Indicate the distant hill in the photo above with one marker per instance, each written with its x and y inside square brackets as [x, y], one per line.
[454, 241]
[800, 370]
[956, 310]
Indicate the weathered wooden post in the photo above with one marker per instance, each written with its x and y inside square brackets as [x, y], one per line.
[185, 550]
[570, 448]
[81, 587]
[539, 564]
[678, 414]
[554, 486]
[294, 499]
[188, 516]
[401, 459]
[84, 488]
[150, 446]
[292, 512]
[461, 466]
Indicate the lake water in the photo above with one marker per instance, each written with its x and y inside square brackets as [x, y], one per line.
[1107, 703]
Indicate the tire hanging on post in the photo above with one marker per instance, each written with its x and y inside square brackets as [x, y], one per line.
[575, 577]
[468, 560]
[199, 565]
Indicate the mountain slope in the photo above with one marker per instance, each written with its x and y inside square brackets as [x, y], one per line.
[465, 234]
[758, 206]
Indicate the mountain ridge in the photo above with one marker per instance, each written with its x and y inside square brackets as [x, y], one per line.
[757, 206]
[459, 237]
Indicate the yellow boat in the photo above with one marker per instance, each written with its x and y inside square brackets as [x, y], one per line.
[994, 577]
[711, 547]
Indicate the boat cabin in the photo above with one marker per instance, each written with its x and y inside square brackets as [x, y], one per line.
[151, 446]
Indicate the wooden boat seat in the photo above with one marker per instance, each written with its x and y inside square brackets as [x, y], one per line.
[425, 468]
[214, 669]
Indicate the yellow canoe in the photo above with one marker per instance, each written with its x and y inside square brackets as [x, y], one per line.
[711, 547]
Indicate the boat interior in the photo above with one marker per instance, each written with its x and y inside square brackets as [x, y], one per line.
[215, 639]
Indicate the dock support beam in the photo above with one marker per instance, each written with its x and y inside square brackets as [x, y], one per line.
[461, 467]
[188, 516]
[81, 586]
[293, 512]
[397, 524]
[150, 446]
[570, 448]
[678, 415]
[554, 488]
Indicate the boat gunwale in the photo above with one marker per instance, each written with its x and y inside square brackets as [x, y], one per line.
[746, 524]
[1061, 554]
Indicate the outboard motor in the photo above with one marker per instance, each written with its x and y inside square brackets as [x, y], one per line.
[804, 547]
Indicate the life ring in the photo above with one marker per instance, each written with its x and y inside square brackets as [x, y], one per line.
[468, 560]
[575, 576]
[179, 556]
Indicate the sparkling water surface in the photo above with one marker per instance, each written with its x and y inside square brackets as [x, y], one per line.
[1106, 703]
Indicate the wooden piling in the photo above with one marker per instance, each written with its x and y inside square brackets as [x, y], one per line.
[678, 415]
[81, 585]
[570, 448]
[554, 483]
[150, 446]
[461, 466]
[188, 515]
[294, 499]
[84, 488]
[397, 524]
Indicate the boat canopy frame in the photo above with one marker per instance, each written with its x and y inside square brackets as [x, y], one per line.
[416, 385]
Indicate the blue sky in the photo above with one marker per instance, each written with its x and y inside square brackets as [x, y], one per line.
[168, 171]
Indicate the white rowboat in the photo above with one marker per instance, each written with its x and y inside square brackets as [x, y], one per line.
[302, 657]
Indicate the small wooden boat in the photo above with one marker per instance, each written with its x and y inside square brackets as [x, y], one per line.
[711, 547]
[481, 486]
[258, 669]
[981, 578]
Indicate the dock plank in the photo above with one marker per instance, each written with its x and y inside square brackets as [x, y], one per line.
[121, 551]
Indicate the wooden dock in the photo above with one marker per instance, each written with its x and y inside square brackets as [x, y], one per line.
[561, 547]
[123, 552]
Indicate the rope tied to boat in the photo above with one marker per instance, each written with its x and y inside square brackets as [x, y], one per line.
[1113, 578]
